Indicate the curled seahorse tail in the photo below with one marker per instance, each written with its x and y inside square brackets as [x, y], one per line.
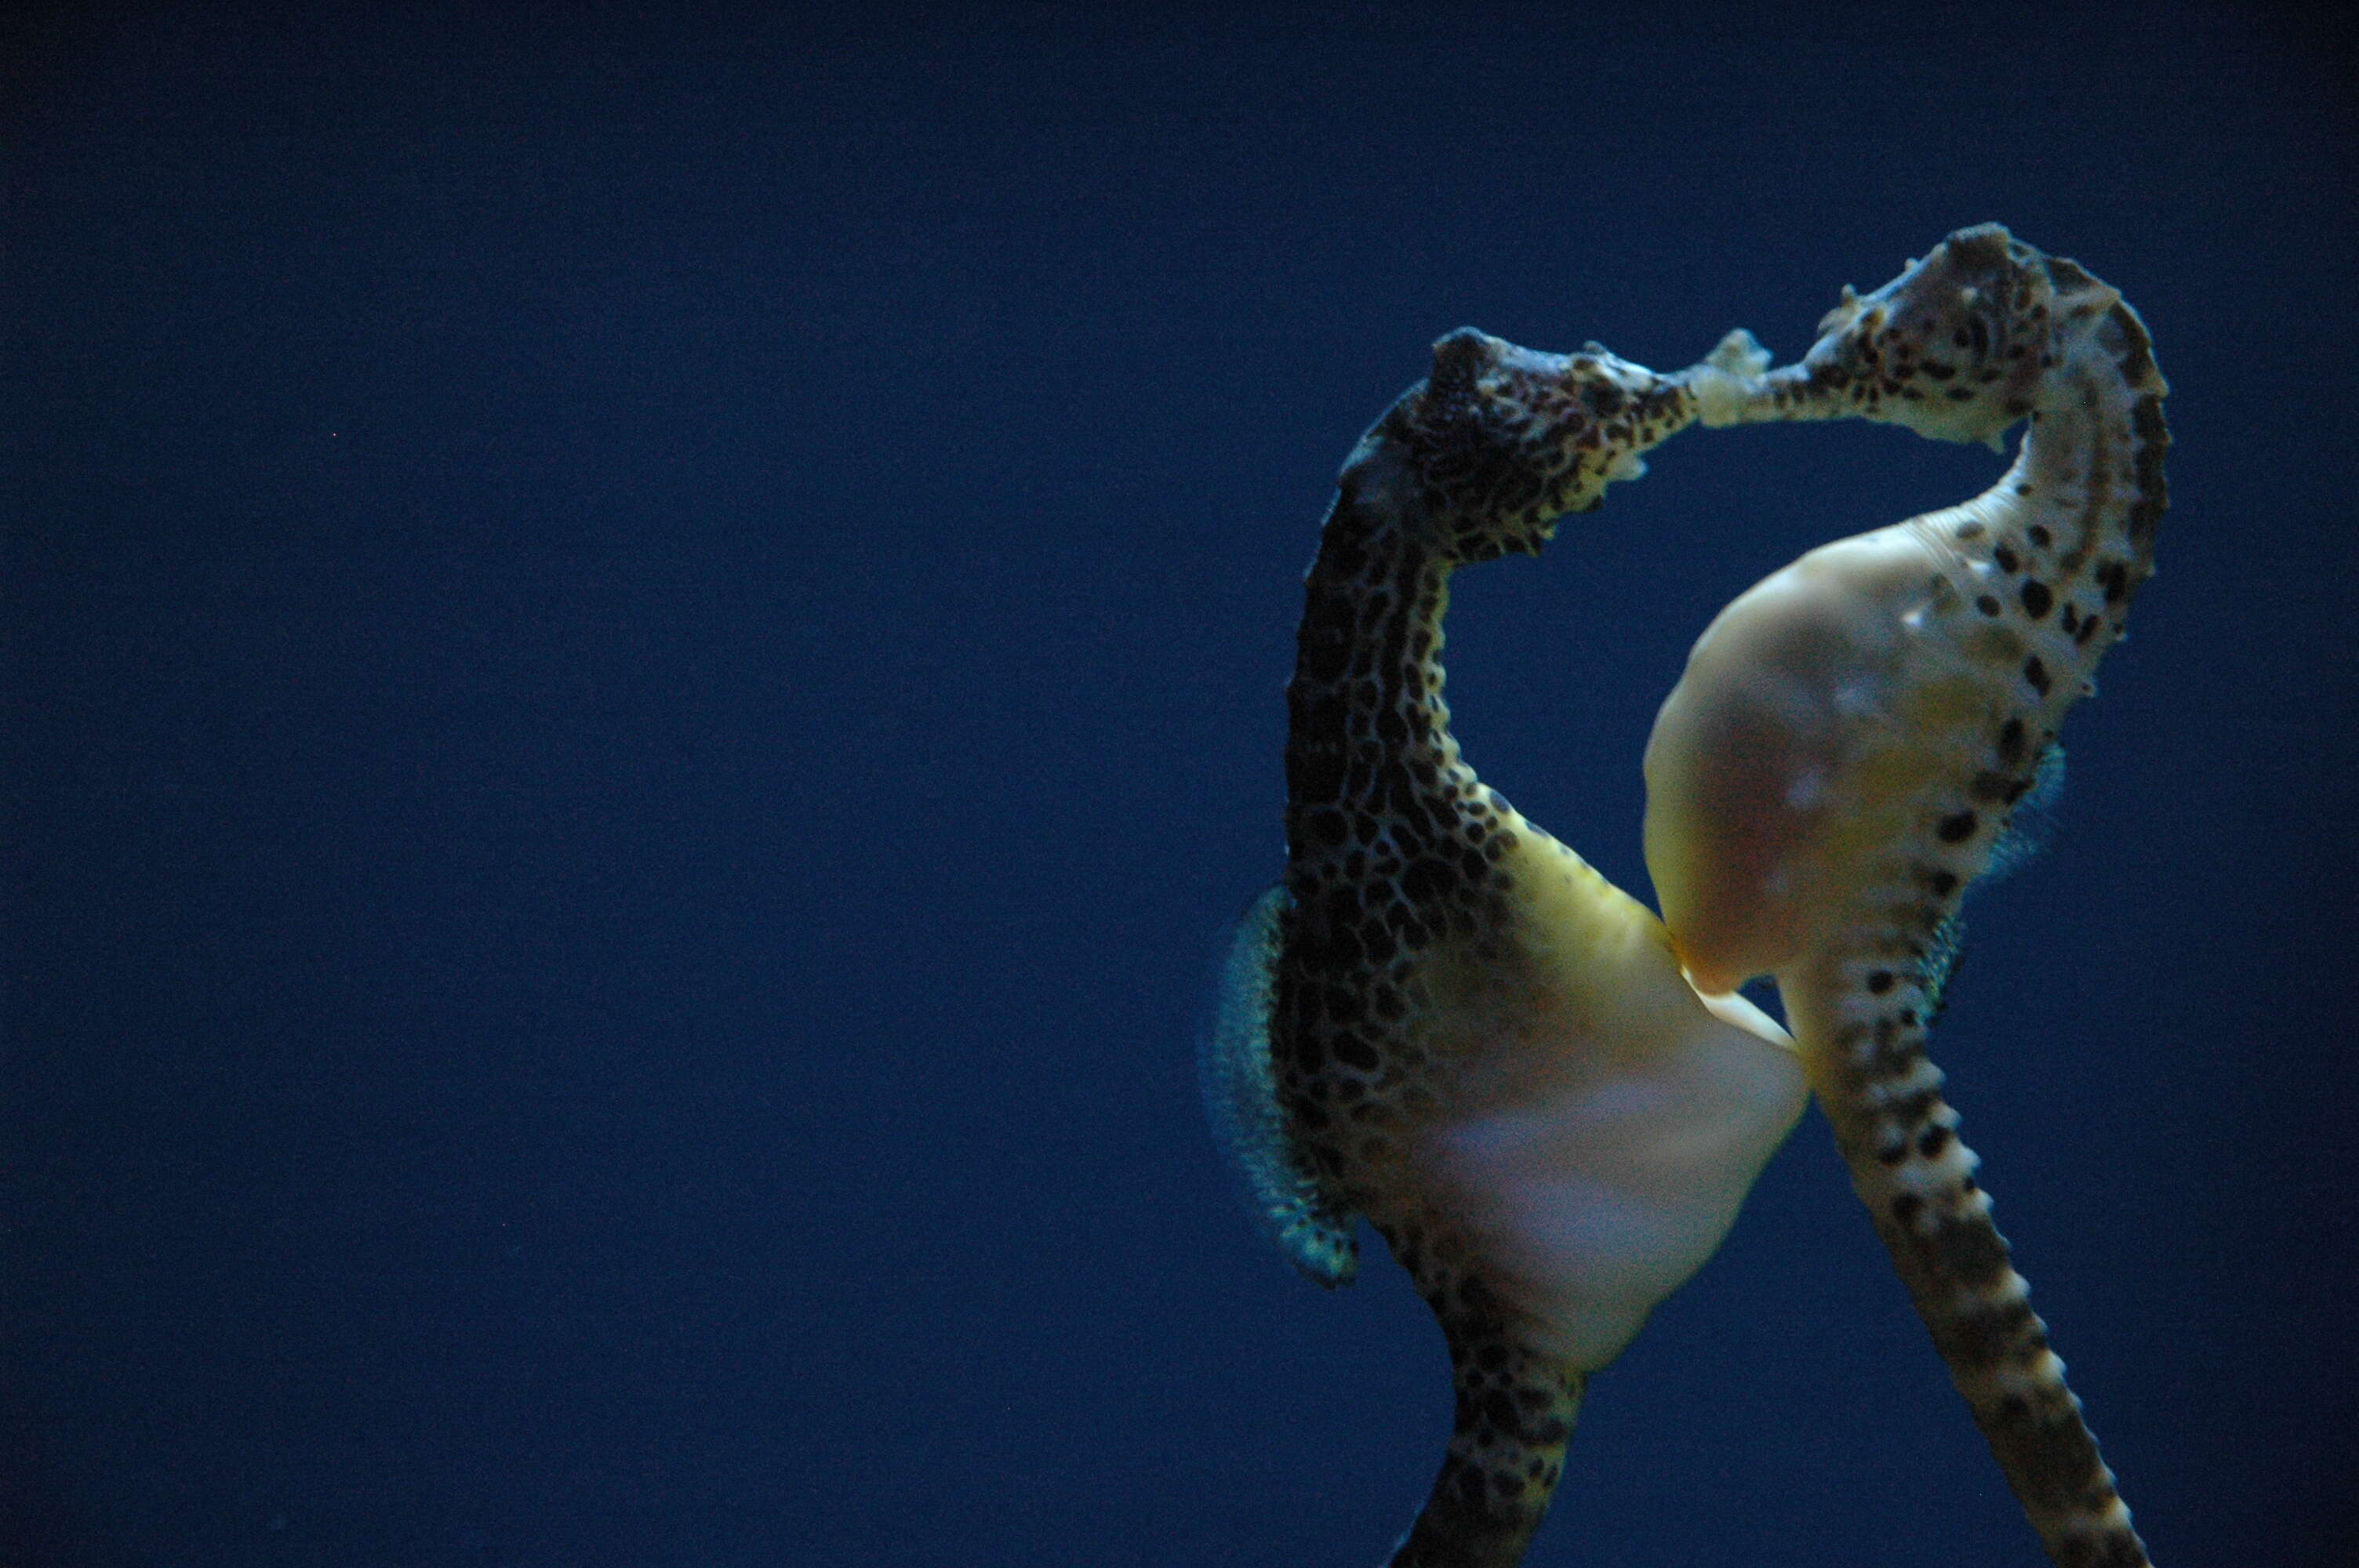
[1514, 1416]
[1861, 1021]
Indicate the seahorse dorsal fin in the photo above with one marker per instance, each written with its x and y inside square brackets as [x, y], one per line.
[1282, 1189]
[2031, 826]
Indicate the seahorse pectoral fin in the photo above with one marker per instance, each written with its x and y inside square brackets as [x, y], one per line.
[1515, 1412]
[2031, 826]
[1283, 1190]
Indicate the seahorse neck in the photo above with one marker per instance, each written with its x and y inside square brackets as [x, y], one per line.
[2091, 467]
[1369, 753]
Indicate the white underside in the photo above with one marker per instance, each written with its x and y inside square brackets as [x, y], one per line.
[1592, 1205]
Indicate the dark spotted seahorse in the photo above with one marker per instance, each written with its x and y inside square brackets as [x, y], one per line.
[1852, 734]
[1446, 1021]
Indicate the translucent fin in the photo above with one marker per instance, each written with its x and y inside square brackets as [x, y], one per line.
[2032, 827]
[1942, 956]
[2030, 831]
[1284, 1195]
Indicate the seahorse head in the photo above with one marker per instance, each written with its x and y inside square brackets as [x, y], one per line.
[1954, 347]
[1500, 441]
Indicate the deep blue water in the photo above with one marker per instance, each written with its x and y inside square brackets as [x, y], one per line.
[643, 660]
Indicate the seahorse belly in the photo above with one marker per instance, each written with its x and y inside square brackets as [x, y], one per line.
[1610, 1121]
[1815, 711]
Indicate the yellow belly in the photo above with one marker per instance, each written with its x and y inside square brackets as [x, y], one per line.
[1602, 1123]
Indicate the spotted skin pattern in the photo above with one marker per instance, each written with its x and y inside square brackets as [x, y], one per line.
[1428, 930]
[1401, 864]
[2035, 583]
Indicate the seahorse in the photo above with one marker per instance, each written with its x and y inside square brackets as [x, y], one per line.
[1445, 1019]
[1549, 1103]
[1851, 735]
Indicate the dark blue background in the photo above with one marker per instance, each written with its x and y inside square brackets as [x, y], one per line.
[643, 656]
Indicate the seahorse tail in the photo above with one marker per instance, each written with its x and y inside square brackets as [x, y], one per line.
[1515, 1411]
[1862, 1025]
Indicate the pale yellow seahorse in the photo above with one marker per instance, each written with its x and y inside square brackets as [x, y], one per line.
[1446, 1021]
[1849, 738]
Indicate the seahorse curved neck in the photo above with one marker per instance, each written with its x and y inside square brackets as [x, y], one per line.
[1369, 756]
[1479, 460]
[1392, 843]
